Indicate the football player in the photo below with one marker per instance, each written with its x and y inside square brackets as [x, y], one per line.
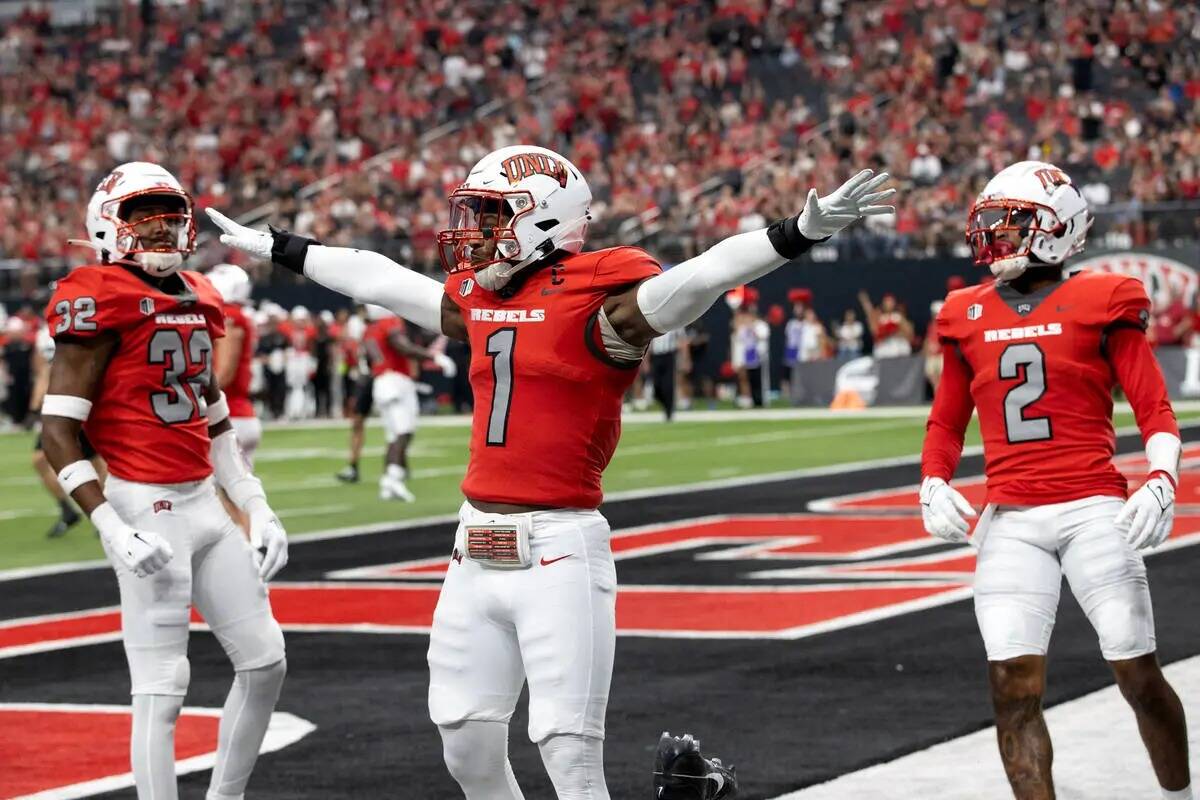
[1038, 355]
[397, 363]
[557, 335]
[133, 367]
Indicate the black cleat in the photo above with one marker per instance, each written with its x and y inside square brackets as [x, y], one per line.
[68, 519]
[681, 773]
[349, 474]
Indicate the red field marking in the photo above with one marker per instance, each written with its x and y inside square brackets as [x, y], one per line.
[36, 757]
[31, 633]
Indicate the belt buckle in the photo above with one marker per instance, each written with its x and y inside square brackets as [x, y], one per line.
[498, 545]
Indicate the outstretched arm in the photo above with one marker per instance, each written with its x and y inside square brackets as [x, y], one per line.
[683, 293]
[366, 276]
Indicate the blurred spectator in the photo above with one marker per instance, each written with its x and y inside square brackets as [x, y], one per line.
[694, 381]
[748, 348]
[1171, 323]
[891, 331]
[932, 349]
[849, 335]
[18, 349]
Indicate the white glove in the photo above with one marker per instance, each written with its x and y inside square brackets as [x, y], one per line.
[267, 531]
[234, 234]
[1148, 514]
[144, 552]
[822, 217]
[446, 364]
[944, 511]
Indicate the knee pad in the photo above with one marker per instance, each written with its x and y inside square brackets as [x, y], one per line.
[575, 765]
[476, 754]
[252, 643]
[161, 668]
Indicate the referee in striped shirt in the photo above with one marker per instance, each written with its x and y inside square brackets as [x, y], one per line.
[662, 369]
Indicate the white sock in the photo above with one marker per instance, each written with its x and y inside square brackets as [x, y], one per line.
[152, 745]
[243, 724]
[1179, 794]
[396, 471]
[476, 753]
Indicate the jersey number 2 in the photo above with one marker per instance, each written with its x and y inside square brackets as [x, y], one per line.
[1019, 427]
[187, 371]
[500, 347]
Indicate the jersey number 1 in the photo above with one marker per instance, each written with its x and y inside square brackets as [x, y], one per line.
[181, 400]
[500, 347]
[1019, 427]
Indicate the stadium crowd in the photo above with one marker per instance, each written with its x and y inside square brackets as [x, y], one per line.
[250, 102]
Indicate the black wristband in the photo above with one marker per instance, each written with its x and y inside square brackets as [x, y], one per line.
[786, 238]
[288, 249]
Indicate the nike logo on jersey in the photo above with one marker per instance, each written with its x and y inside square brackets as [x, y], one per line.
[546, 563]
[508, 315]
[1025, 332]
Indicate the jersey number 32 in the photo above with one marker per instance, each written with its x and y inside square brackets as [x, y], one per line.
[187, 371]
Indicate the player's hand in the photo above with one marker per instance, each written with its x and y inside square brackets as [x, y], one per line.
[1148, 514]
[944, 511]
[446, 364]
[236, 235]
[822, 217]
[143, 552]
[267, 533]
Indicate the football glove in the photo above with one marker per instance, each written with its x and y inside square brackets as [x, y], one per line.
[267, 534]
[822, 217]
[944, 511]
[1148, 514]
[236, 235]
[681, 773]
[143, 552]
[446, 364]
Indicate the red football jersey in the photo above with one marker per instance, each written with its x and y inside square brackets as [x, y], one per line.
[1040, 369]
[237, 393]
[391, 361]
[547, 396]
[147, 418]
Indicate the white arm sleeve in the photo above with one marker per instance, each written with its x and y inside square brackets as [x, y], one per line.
[683, 293]
[373, 278]
[233, 473]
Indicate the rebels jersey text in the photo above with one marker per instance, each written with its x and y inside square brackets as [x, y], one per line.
[547, 396]
[237, 393]
[1040, 369]
[148, 416]
[390, 360]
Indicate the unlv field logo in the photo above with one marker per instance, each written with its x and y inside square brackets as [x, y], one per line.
[525, 165]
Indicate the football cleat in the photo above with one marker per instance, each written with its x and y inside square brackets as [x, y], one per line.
[348, 474]
[395, 489]
[69, 518]
[681, 773]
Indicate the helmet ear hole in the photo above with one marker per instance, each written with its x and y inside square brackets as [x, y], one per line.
[546, 224]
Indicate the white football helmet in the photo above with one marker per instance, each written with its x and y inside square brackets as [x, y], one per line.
[231, 282]
[301, 314]
[1036, 201]
[116, 240]
[518, 205]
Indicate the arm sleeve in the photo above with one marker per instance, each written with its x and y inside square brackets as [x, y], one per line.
[369, 277]
[683, 293]
[1141, 378]
[951, 412]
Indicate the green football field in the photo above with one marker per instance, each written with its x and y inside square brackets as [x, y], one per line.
[297, 466]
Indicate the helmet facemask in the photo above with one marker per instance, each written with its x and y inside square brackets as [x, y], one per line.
[1003, 232]
[482, 236]
[154, 229]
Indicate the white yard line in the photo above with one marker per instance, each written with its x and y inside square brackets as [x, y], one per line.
[1097, 754]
